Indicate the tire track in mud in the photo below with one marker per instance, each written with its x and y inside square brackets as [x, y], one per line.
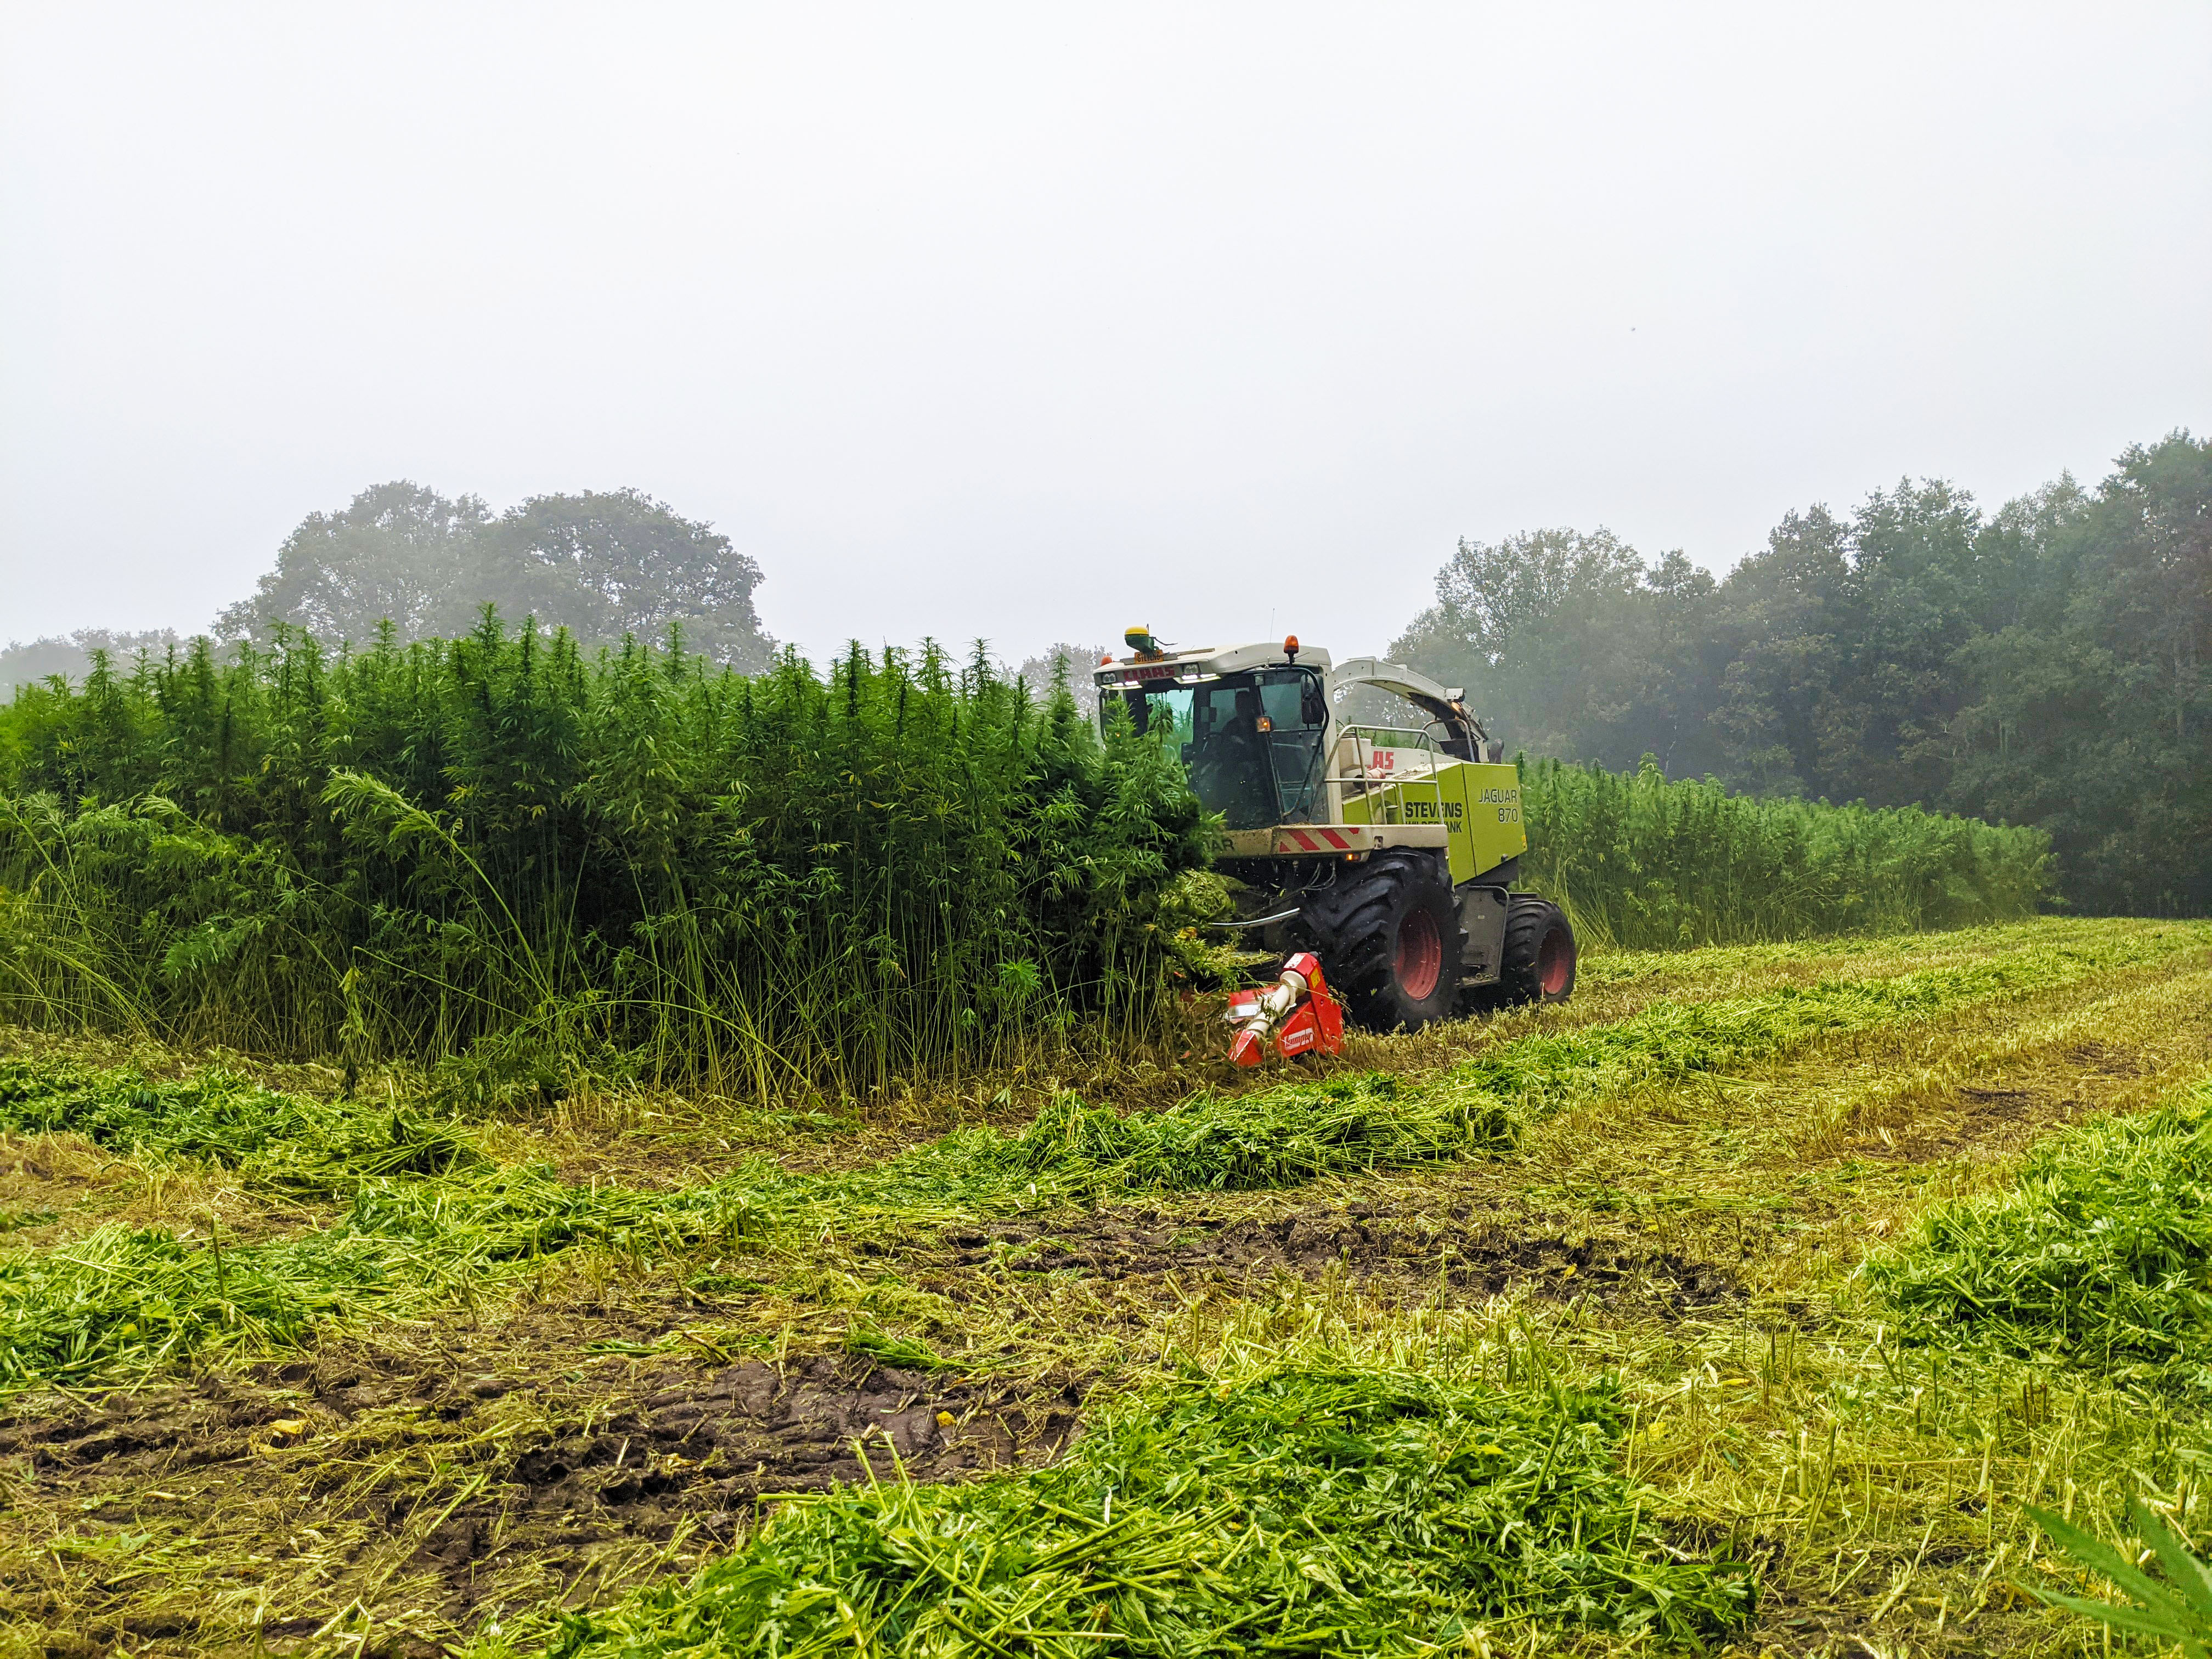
[680, 1444]
[1378, 1244]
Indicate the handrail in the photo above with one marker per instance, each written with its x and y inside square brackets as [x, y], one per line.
[1369, 783]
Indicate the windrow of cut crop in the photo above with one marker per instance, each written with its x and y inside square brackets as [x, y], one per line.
[2095, 1254]
[1642, 861]
[123, 1301]
[1316, 1506]
[493, 848]
[1299, 1131]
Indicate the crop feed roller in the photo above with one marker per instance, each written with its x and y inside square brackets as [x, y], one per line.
[1384, 854]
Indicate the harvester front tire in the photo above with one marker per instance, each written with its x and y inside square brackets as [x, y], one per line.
[1538, 962]
[1389, 940]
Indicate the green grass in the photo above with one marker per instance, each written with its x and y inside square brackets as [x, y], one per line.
[2101, 1253]
[1674, 1041]
[1315, 1507]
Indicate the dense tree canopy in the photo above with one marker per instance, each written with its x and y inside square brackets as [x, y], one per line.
[2045, 665]
[398, 552]
[602, 564]
[608, 563]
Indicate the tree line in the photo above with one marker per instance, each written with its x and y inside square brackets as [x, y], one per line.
[603, 564]
[2047, 664]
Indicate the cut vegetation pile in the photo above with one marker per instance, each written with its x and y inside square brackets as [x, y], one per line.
[2102, 1252]
[123, 1301]
[1268, 1138]
[216, 1117]
[1312, 1508]
[214, 1114]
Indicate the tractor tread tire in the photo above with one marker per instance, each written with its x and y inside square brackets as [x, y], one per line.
[1530, 923]
[1354, 928]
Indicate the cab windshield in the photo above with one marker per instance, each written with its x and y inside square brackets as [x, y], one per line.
[1252, 742]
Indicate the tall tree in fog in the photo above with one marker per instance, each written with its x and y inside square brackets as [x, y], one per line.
[1489, 594]
[607, 563]
[2091, 706]
[70, 657]
[602, 565]
[397, 551]
[1570, 643]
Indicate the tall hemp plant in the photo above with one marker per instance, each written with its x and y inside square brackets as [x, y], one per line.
[495, 847]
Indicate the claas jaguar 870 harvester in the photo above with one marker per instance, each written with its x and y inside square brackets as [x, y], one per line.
[1379, 860]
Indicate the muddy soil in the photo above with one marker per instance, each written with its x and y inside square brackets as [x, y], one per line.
[1475, 1257]
[676, 1442]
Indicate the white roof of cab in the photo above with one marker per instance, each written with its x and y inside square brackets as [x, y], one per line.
[1211, 659]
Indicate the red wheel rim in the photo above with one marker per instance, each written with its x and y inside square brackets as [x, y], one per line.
[1555, 962]
[1420, 956]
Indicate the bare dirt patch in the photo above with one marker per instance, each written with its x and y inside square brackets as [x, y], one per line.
[540, 1486]
[1475, 1257]
[2007, 1111]
[1976, 1121]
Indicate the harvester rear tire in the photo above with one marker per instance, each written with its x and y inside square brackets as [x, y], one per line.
[1538, 961]
[1389, 940]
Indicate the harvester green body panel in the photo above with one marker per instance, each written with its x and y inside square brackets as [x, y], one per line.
[1479, 803]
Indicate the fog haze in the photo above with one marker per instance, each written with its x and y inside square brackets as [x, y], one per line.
[1028, 323]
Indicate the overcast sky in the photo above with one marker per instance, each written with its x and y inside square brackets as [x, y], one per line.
[1033, 321]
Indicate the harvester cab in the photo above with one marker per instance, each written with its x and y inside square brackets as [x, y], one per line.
[1378, 858]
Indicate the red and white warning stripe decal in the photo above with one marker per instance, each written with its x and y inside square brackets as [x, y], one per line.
[1318, 841]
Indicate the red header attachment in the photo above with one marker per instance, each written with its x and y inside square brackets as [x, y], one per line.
[1295, 1015]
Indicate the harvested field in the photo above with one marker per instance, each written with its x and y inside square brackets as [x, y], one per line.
[1643, 1279]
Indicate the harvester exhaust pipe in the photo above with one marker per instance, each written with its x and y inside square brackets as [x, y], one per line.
[1294, 1014]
